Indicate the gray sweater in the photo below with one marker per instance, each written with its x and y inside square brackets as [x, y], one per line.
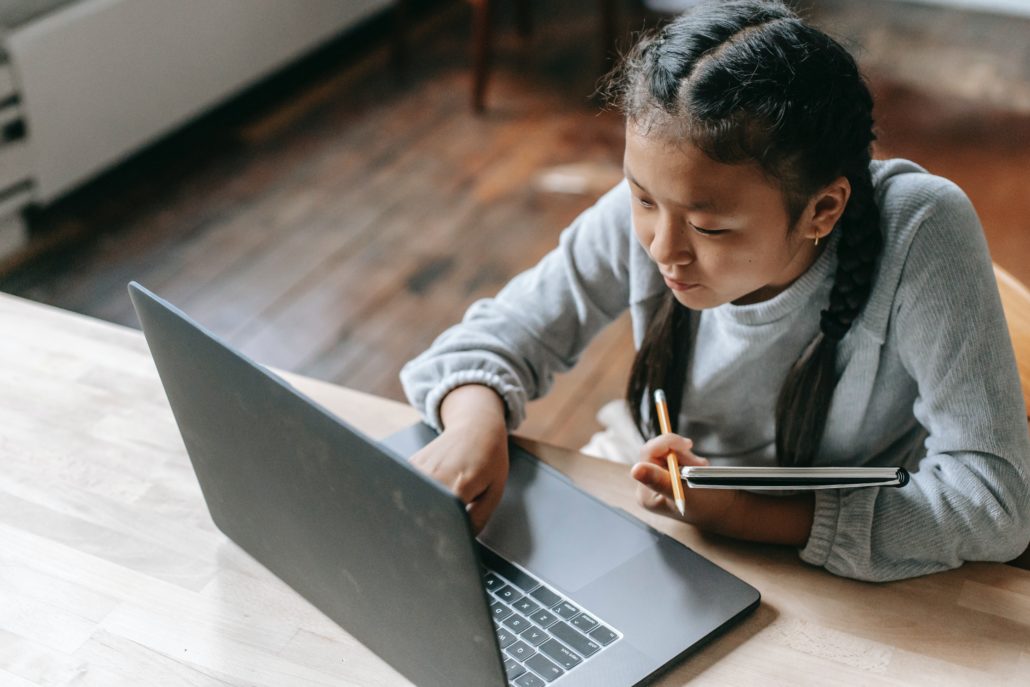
[928, 378]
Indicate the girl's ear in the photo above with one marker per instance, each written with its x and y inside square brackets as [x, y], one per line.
[825, 208]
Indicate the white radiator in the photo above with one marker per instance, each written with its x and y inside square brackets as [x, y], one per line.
[99, 79]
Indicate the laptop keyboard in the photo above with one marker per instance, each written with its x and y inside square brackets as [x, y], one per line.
[542, 634]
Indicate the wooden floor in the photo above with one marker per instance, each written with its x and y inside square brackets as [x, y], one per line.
[337, 226]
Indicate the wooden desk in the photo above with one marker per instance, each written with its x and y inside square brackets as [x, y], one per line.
[112, 573]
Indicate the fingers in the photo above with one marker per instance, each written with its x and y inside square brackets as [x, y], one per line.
[656, 451]
[476, 490]
[654, 488]
[480, 509]
[654, 477]
[474, 470]
[653, 500]
[479, 496]
[467, 487]
[462, 482]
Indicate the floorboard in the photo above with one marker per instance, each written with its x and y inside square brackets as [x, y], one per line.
[336, 227]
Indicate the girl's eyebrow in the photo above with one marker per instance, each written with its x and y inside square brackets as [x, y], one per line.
[697, 205]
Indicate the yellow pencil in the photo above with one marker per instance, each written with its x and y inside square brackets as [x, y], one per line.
[674, 466]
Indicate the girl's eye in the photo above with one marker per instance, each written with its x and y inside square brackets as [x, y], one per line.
[708, 232]
[645, 203]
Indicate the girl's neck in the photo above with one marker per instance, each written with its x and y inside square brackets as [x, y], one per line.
[802, 261]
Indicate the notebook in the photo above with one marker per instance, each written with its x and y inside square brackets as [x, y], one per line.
[776, 478]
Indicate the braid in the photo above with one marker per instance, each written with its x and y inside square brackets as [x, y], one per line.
[658, 367]
[859, 246]
[804, 402]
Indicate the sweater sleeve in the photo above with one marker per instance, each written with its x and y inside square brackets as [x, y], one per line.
[969, 499]
[539, 323]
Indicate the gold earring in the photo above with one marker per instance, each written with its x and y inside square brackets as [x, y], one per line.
[817, 239]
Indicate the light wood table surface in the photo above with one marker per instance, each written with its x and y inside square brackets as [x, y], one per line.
[112, 573]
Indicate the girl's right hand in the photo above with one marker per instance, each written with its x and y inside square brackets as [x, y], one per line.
[705, 508]
[470, 457]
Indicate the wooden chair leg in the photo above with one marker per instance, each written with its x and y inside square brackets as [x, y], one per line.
[523, 18]
[401, 14]
[481, 39]
[608, 21]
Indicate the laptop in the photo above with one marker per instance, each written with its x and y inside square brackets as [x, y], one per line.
[558, 589]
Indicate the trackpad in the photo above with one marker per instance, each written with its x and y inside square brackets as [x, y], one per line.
[555, 530]
[546, 524]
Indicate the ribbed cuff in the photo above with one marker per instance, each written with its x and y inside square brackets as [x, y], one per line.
[824, 527]
[514, 412]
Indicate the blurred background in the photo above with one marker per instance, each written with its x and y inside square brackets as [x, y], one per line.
[329, 184]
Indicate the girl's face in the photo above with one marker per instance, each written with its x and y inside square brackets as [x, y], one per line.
[720, 233]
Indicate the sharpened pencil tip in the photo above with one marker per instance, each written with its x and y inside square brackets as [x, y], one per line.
[681, 506]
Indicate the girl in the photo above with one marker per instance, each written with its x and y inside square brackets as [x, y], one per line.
[799, 303]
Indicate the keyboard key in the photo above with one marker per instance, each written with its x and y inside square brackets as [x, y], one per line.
[508, 594]
[520, 651]
[520, 579]
[572, 637]
[546, 597]
[584, 623]
[566, 610]
[604, 635]
[525, 606]
[581, 635]
[544, 668]
[513, 669]
[544, 618]
[499, 611]
[534, 635]
[492, 582]
[505, 638]
[529, 680]
[516, 622]
[561, 654]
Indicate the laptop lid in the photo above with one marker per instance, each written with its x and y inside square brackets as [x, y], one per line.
[380, 548]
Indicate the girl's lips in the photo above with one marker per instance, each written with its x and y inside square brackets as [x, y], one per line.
[679, 285]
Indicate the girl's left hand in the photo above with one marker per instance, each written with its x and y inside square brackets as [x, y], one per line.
[705, 508]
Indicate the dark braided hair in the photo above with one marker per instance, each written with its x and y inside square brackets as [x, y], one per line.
[748, 81]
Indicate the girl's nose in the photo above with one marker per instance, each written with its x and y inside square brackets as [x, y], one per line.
[669, 245]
